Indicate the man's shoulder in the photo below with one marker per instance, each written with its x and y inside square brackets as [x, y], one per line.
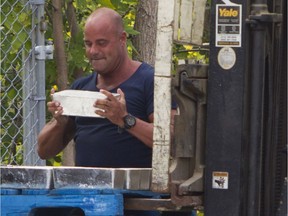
[145, 71]
[146, 67]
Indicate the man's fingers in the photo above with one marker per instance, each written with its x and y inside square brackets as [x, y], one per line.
[121, 93]
[52, 91]
[109, 95]
[55, 108]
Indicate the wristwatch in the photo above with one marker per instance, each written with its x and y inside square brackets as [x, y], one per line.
[129, 121]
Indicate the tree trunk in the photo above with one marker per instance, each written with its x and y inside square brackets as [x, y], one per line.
[72, 20]
[60, 57]
[74, 28]
[62, 68]
[146, 24]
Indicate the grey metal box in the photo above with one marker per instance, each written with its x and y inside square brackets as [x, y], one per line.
[26, 177]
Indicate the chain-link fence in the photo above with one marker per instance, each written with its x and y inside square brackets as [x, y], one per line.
[23, 54]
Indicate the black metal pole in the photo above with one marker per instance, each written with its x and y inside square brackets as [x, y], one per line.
[256, 109]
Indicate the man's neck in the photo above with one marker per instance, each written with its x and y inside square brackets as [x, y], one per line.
[112, 80]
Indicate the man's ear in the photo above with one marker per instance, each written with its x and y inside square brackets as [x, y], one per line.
[123, 37]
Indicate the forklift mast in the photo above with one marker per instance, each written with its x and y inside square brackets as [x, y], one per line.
[228, 154]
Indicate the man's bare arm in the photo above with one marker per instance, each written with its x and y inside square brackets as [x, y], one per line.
[144, 130]
[55, 136]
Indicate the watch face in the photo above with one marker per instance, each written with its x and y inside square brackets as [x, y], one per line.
[129, 121]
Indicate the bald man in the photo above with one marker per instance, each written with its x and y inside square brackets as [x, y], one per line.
[123, 138]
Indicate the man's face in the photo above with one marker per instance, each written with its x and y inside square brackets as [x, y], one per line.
[104, 46]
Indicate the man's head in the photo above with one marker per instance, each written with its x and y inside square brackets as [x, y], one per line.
[105, 40]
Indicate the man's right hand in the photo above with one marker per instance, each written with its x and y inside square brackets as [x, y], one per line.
[55, 108]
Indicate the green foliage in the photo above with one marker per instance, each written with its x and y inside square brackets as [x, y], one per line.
[200, 213]
[55, 161]
[196, 55]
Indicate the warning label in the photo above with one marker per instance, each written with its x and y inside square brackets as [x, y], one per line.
[228, 25]
[220, 180]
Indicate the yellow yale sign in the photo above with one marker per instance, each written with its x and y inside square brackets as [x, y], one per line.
[224, 12]
[228, 25]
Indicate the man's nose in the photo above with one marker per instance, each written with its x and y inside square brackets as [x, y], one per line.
[94, 49]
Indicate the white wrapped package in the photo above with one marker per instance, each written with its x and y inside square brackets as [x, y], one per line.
[79, 102]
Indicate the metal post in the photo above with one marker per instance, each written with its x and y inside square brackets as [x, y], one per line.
[256, 140]
[40, 96]
[256, 111]
[36, 119]
[27, 108]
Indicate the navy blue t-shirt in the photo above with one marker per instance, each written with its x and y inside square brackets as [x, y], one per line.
[98, 142]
